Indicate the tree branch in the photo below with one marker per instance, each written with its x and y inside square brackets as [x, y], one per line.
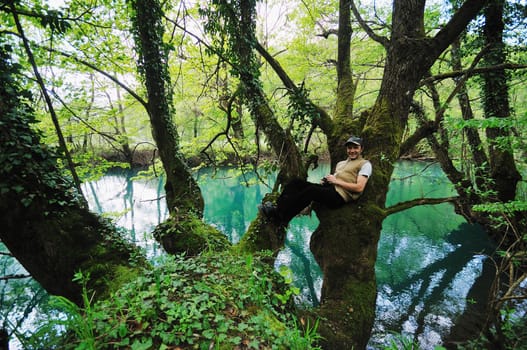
[91, 66]
[58, 15]
[457, 24]
[471, 72]
[324, 121]
[13, 277]
[417, 202]
[428, 128]
[100, 71]
[47, 99]
[201, 41]
[380, 39]
[79, 118]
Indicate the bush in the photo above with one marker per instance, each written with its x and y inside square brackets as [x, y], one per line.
[218, 301]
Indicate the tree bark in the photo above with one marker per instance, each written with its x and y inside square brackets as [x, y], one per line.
[182, 191]
[45, 224]
[345, 243]
[496, 104]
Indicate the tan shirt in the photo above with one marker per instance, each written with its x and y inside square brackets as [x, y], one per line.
[348, 170]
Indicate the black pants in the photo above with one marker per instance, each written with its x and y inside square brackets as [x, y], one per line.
[298, 194]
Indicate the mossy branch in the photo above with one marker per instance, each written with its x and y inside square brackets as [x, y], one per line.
[417, 202]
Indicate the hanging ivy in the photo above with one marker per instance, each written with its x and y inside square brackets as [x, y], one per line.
[29, 169]
[146, 23]
[301, 112]
[147, 29]
[231, 24]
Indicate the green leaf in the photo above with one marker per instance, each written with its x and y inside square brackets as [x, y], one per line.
[208, 333]
[142, 345]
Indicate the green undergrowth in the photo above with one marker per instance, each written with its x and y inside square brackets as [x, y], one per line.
[221, 301]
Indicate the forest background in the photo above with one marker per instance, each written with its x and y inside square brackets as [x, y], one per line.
[88, 65]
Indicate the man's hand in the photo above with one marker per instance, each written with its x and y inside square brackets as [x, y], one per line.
[354, 187]
[331, 179]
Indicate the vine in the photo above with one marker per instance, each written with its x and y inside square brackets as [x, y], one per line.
[29, 168]
[301, 111]
[231, 25]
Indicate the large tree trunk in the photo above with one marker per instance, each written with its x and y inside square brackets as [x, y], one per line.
[45, 225]
[346, 249]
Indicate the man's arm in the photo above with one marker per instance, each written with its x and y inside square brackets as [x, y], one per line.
[349, 186]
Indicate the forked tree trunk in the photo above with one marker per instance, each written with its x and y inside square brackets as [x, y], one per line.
[345, 243]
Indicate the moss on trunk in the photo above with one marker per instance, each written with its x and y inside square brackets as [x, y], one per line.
[263, 234]
[345, 247]
[54, 242]
[190, 235]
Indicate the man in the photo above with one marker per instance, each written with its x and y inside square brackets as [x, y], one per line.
[345, 185]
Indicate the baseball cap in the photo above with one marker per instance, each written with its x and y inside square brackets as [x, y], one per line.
[354, 139]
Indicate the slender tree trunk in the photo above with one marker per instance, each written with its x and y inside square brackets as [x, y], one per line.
[344, 123]
[479, 158]
[120, 127]
[184, 231]
[262, 234]
[496, 103]
[182, 191]
[237, 125]
[54, 118]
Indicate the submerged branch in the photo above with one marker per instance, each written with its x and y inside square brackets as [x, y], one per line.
[14, 276]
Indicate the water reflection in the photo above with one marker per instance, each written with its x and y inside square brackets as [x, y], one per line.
[136, 205]
[231, 199]
[427, 261]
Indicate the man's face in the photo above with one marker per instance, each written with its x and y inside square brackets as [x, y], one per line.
[353, 150]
